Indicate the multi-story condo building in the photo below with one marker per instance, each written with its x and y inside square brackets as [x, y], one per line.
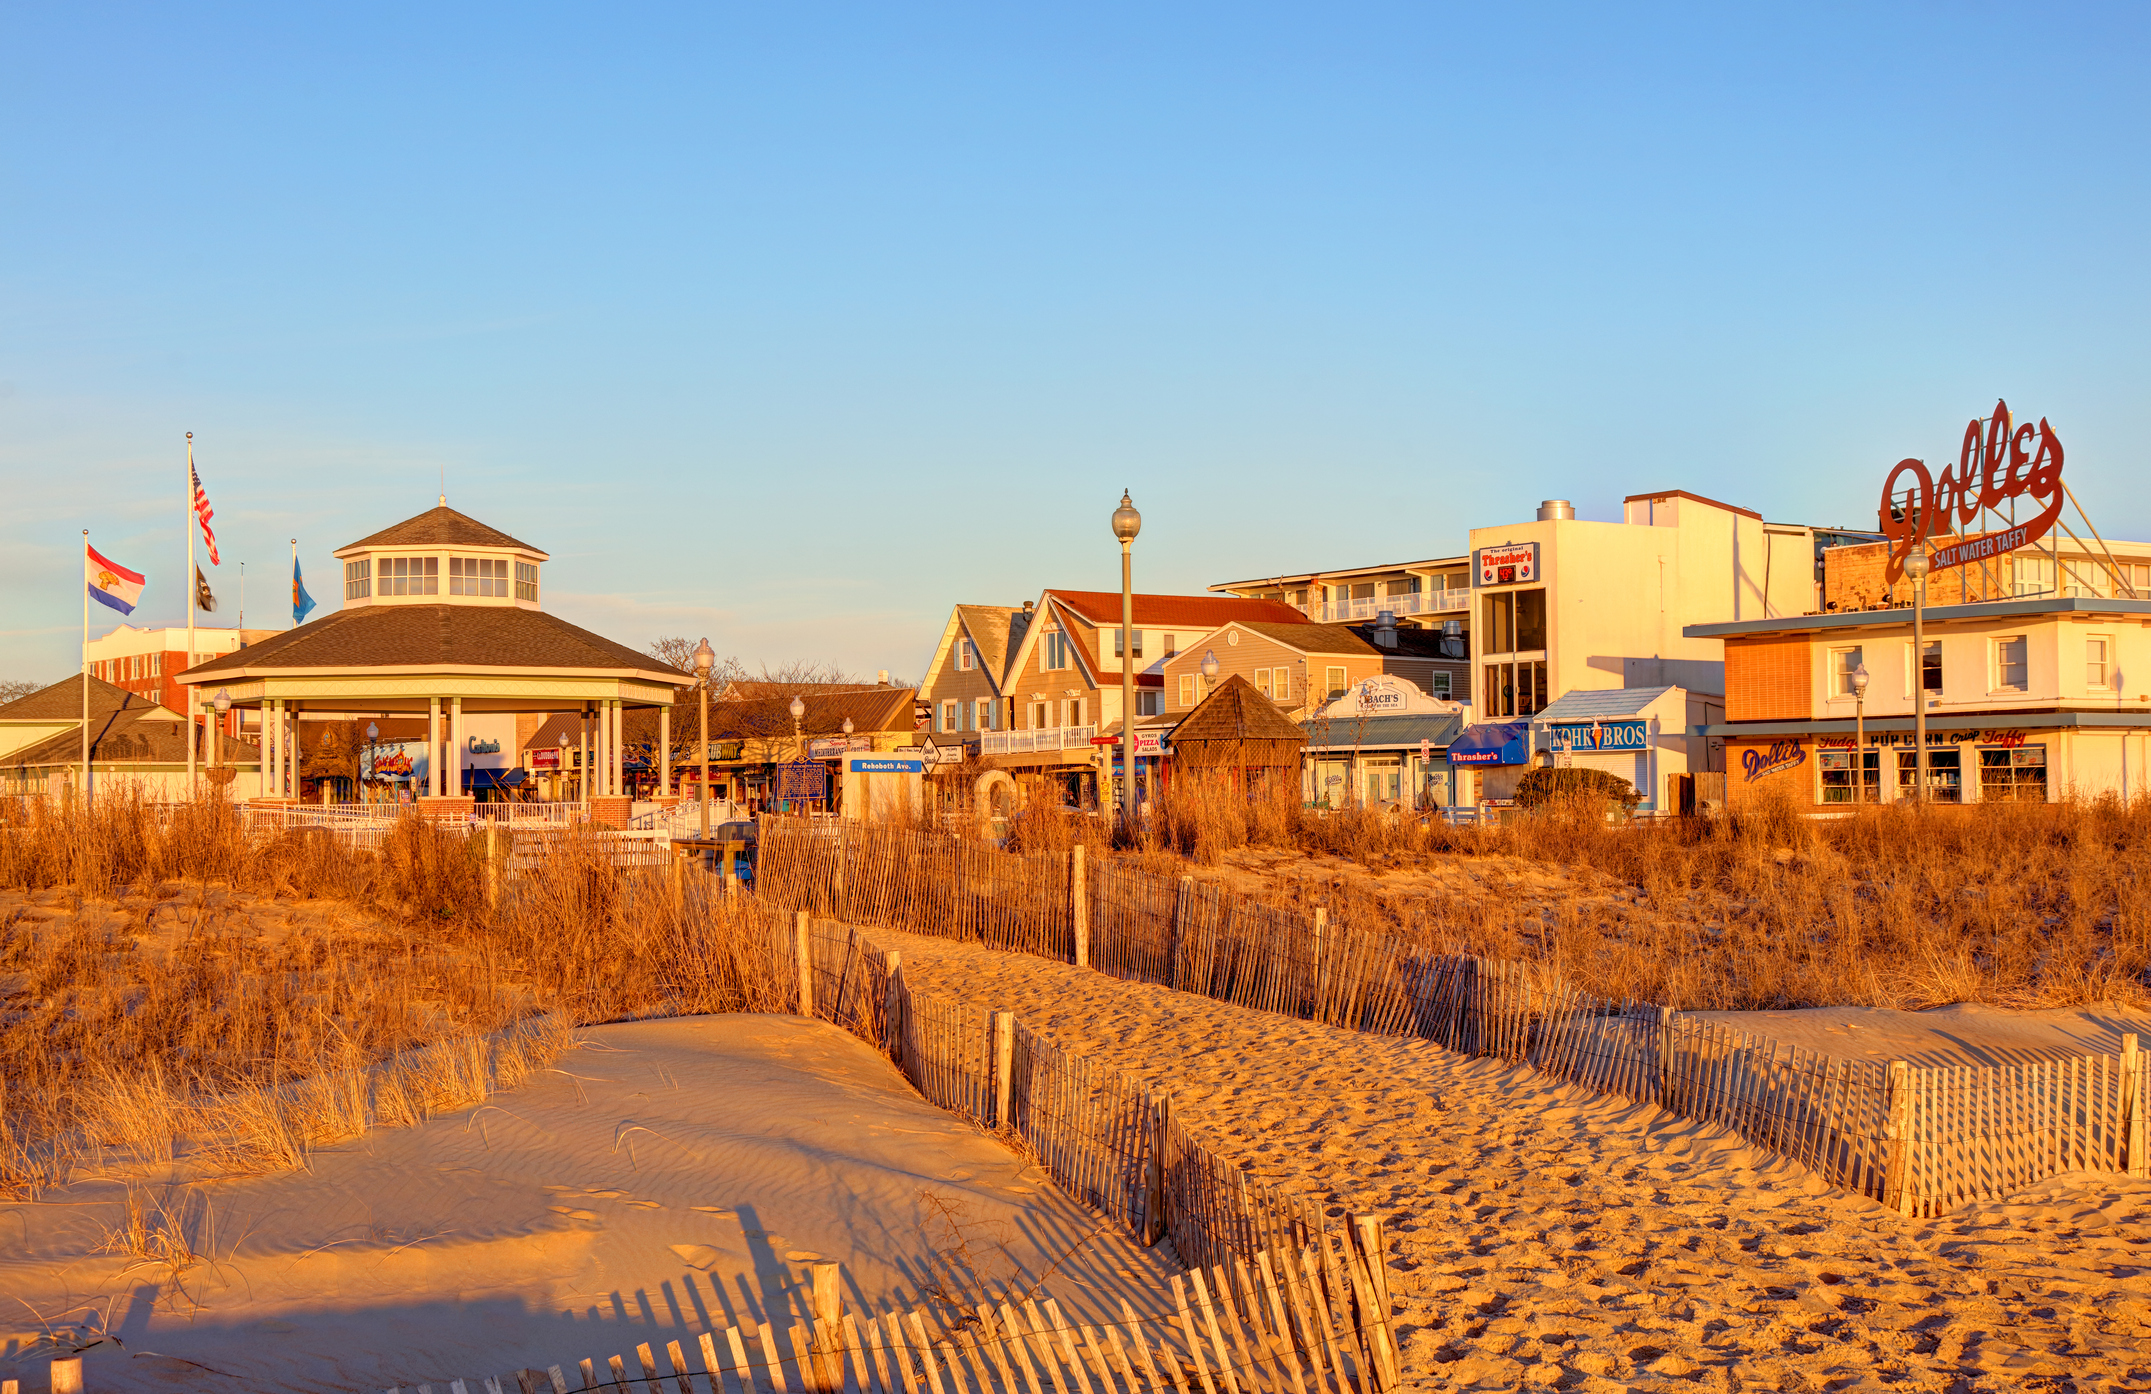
[1420, 594]
[1564, 604]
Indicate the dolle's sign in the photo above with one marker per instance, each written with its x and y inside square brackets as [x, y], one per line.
[1996, 465]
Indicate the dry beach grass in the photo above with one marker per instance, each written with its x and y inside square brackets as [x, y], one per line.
[170, 986]
[2019, 905]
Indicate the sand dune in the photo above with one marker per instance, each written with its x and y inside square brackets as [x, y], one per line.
[1545, 1237]
[669, 1175]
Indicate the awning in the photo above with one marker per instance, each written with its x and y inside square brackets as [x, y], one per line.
[1492, 743]
[494, 779]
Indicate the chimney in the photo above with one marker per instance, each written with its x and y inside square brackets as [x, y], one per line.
[882, 677]
[1027, 606]
[1552, 509]
[1385, 629]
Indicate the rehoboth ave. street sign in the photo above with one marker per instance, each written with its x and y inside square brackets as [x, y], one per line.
[1996, 465]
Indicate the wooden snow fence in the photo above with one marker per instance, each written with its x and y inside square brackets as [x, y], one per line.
[1919, 1139]
[1260, 1328]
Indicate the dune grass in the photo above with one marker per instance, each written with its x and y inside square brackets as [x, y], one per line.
[174, 989]
[2014, 904]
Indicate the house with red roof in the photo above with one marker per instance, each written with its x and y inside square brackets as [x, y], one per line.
[1054, 685]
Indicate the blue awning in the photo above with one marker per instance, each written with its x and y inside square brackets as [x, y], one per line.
[494, 779]
[1492, 743]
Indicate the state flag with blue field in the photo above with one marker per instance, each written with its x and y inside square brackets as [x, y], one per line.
[110, 583]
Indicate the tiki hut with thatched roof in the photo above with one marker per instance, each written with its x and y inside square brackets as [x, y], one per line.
[1237, 728]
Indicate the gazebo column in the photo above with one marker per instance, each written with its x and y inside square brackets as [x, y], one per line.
[291, 750]
[583, 766]
[619, 743]
[454, 769]
[664, 752]
[433, 746]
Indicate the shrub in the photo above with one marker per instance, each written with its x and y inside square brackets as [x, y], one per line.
[1547, 784]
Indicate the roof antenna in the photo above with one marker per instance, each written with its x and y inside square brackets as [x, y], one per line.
[444, 484]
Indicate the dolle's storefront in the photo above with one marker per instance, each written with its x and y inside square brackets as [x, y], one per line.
[1965, 763]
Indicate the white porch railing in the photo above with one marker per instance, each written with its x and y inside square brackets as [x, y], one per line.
[1430, 602]
[1027, 742]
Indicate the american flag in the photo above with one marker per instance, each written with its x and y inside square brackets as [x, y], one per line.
[203, 511]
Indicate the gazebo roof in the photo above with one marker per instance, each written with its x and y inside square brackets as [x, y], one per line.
[1236, 712]
[436, 637]
[439, 527]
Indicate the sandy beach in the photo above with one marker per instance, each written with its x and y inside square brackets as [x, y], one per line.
[1542, 1236]
[668, 1177]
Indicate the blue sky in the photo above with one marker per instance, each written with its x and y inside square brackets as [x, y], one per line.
[793, 325]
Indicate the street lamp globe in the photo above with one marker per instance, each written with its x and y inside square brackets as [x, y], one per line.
[705, 659]
[1916, 563]
[1860, 679]
[1126, 521]
[799, 709]
[1209, 663]
[847, 725]
[223, 702]
[372, 731]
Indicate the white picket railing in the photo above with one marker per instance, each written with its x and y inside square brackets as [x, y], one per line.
[1025, 742]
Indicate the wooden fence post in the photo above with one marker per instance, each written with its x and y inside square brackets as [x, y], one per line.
[1004, 1066]
[1180, 913]
[1154, 1201]
[827, 1300]
[1079, 905]
[840, 903]
[1896, 1140]
[2132, 1111]
[803, 941]
[892, 1003]
[67, 1375]
[1666, 1073]
[1320, 975]
[493, 860]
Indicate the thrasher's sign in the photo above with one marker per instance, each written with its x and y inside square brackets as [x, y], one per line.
[1996, 465]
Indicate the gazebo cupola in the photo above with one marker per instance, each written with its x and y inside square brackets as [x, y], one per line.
[440, 557]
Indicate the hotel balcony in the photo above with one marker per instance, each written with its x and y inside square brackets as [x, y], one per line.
[1025, 742]
[1450, 600]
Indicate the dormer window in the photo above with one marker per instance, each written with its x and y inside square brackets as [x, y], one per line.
[409, 575]
[478, 576]
[526, 580]
[358, 578]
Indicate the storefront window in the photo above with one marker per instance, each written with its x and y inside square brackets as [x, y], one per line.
[1515, 689]
[1385, 779]
[1837, 778]
[1516, 621]
[1944, 770]
[2016, 775]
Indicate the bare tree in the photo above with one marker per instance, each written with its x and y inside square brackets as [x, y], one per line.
[14, 688]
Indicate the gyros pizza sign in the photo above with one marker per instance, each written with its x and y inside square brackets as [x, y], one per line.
[1998, 463]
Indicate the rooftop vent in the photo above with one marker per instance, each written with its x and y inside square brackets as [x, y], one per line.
[1385, 629]
[1552, 509]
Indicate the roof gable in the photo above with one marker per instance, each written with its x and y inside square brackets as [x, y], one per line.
[1192, 611]
[439, 527]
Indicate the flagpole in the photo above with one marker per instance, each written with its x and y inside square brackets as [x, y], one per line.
[193, 589]
[295, 583]
[85, 674]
